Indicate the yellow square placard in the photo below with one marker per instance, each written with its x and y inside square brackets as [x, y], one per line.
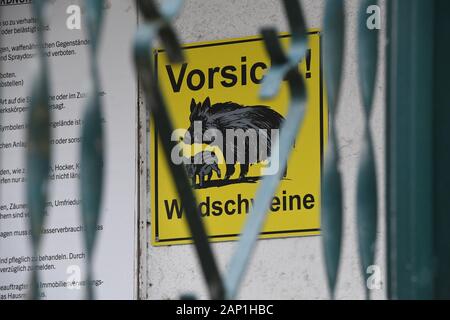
[227, 74]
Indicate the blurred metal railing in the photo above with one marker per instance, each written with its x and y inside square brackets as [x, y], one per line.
[418, 149]
[38, 150]
[38, 147]
[422, 258]
[284, 65]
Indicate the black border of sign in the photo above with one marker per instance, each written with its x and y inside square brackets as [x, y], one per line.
[157, 239]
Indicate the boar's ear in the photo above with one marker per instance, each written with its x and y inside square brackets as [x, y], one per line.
[193, 104]
[206, 104]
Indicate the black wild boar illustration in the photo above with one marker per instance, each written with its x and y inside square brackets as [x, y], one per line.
[203, 164]
[230, 115]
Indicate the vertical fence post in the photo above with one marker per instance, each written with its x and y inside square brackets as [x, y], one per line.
[157, 24]
[38, 148]
[367, 200]
[92, 144]
[331, 193]
[441, 150]
[418, 149]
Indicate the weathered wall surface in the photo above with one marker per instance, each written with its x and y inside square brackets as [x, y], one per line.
[282, 268]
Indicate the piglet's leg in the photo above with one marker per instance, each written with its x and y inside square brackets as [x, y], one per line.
[230, 171]
[244, 170]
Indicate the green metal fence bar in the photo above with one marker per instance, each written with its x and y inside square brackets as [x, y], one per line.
[367, 200]
[331, 213]
[441, 152]
[92, 144]
[1, 19]
[409, 151]
[38, 148]
[283, 65]
[418, 149]
[157, 23]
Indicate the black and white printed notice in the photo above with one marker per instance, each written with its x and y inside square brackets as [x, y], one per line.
[62, 258]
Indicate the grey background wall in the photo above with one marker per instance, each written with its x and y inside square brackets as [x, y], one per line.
[281, 268]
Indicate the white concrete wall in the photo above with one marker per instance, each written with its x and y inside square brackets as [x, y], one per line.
[281, 268]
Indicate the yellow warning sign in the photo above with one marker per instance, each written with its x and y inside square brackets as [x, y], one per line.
[225, 136]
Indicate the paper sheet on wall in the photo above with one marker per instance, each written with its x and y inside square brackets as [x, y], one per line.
[62, 257]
